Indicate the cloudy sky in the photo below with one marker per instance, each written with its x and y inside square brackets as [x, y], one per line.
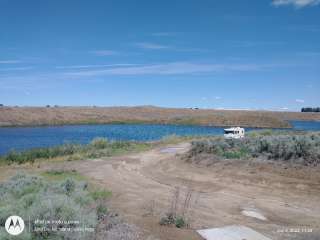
[211, 54]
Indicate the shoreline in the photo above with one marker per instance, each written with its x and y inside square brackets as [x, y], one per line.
[141, 123]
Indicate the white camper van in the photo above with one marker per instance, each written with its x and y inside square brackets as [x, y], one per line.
[236, 132]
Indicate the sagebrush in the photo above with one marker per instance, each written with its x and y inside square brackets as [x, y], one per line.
[33, 198]
[293, 147]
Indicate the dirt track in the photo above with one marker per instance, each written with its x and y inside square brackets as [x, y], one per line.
[143, 185]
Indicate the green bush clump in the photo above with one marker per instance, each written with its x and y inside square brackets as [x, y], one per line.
[34, 197]
[168, 219]
[38, 153]
[171, 219]
[285, 146]
[100, 194]
[68, 186]
[235, 154]
[120, 145]
[102, 210]
[98, 147]
[99, 143]
[180, 222]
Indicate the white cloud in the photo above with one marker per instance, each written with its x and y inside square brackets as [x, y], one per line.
[146, 45]
[309, 54]
[296, 3]
[97, 66]
[217, 98]
[163, 34]
[173, 68]
[156, 46]
[104, 52]
[300, 101]
[256, 43]
[15, 69]
[9, 61]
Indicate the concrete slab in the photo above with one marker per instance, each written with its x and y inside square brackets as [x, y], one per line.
[234, 232]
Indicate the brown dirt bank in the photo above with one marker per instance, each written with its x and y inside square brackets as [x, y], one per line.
[36, 116]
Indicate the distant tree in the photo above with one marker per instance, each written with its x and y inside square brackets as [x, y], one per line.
[1, 105]
[47, 106]
[56, 106]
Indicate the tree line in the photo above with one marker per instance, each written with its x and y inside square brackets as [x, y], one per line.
[310, 109]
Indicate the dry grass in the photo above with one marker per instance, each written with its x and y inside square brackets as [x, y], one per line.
[98, 147]
[36, 116]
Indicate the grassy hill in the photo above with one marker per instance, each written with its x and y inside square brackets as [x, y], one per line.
[37, 116]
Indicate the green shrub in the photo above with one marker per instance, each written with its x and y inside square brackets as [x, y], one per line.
[180, 222]
[99, 147]
[55, 172]
[101, 211]
[171, 219]
[61, 174]
[234, 154]
[99, 143]
[100, 194]
[34, 197]
[39, 153]
[68, 186]
[120, 145]
[284, 146]
[267, 132]
[168, 219]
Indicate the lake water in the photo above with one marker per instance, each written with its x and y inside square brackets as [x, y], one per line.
[22, 138]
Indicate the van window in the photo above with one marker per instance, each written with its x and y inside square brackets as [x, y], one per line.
[228, 132]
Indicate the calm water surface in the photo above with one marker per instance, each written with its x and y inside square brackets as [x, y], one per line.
[22, 138]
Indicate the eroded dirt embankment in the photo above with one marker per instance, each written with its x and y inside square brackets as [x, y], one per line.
[36, 116]
[222, 194]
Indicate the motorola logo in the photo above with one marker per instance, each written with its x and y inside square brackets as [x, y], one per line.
[14, 225]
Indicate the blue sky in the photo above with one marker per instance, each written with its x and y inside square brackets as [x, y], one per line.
[211, 54]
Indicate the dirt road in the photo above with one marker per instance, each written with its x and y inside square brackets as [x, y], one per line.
[268, 198]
